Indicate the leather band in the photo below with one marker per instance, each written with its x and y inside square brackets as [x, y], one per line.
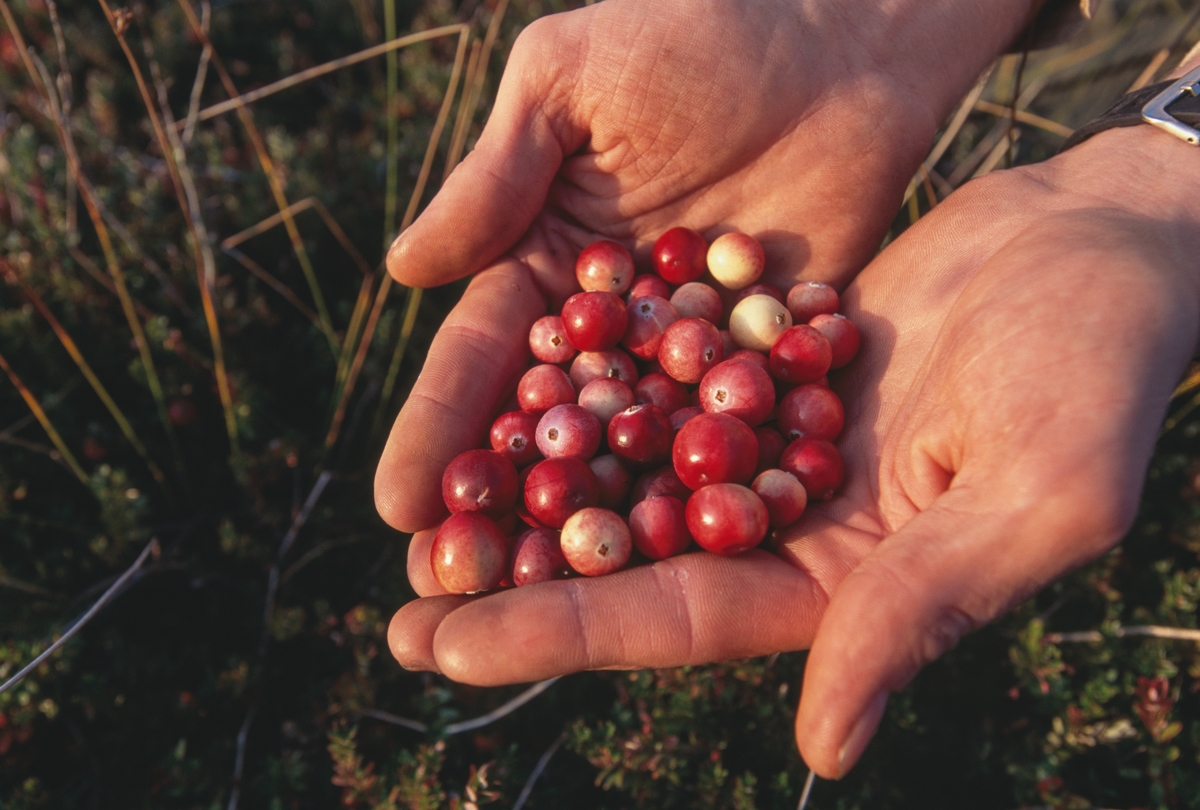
[1127, 112]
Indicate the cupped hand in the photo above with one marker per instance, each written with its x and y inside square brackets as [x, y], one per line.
[798, 121]
[1021, 344]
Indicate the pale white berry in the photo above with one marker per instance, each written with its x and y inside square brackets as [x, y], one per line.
[757, 321]
[736, 260]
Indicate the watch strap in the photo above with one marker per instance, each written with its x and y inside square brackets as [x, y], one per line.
[1127, 112]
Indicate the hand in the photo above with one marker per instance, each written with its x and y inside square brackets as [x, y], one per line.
[1020, 347]
[795, 120]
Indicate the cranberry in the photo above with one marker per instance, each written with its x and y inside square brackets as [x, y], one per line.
[714, 448]
[728, 346]
[480, 481]
[727, 518]
[558, 488]
[681, 416]
[596, 541]
[656, 483]
[658, 527]
[614, 480]
[738, 388]
[647, 285]
[736, 260]
[689, 348]
[817, 464]
[605, 398]
[598, 365]
[648, 317]
[770, 448]
[782, 494]
[842, 334]
[757, 321]
[680, 255]
[750, 356]
[469, 554]
[521, 510]
[548, 341]
[568, 430]
[594, 321]
[759, 289]
[641, 435]
[811, 411]
[537, 557]
[514, 436]
[604, 266]
[698, 300]
[181, 411]
[660, 390]
[800, 355]
[543, 387]
[811, 298]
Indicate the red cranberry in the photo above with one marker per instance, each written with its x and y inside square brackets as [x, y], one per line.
[681, 416]
[698, 300]
[782, 494]
[800, 355]
[469, 554]
[649, 317]
[614, 480]
[770, 448]
[568, 430]
[842, 334]
[749, 355]
[543, 387]
[727, 518]
[740, 389]
[548, 341]
[811, 411]
[641, 435]
[736, 260]
[514, 436]
[537, 557]
[558, 488]
[598, 365]
[596, 541]
[604, 266]
[657, 483]
[480, 481]
[93, 450]
[181, 411]
[647, 285]
[680, 255]
[714, 448]
[661, 391]
[759, 289]
[809, 299]
[594, 321]
[606, 398]
[817, 464]
[689, 348]
[659, 528]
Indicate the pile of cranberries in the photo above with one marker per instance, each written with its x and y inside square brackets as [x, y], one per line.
[645, 426]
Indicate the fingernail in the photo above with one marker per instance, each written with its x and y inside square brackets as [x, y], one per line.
[861, 733]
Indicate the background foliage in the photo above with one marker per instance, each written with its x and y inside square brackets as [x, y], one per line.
[245, 664]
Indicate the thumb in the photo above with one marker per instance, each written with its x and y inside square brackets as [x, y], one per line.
[952, 568]
[493, 196]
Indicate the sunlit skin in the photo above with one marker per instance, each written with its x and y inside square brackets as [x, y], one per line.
[1020, 347]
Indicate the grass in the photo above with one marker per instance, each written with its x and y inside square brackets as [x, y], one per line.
[208, 356]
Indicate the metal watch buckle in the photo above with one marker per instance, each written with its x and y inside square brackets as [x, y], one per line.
[1155, 112]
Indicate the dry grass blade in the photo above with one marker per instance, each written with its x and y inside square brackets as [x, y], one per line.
[998, 153]
[296, 208]
[394, 719]
[808, 786]
[501, 711]
[1024, 117]
[44, 421]
[26, 587]
[275, 284]
[542, 762]
[1144, 631]
[193, 115]
[84, 367]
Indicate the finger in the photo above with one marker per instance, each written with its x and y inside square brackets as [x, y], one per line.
[410, 633]
[473, 364]
[492, 197]
[949, 570]
[420, 572]
[690, 609]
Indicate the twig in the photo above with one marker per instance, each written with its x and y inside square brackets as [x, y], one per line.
[78, 625]
[189, 124]
[44, 420]
[394, 719]
[537, 771]
[28, 587]
[239, 761]
[275, 284]
[51, 401]
[1053, 127]
[808, 786]
[1145, 630]
[301, 518]
[503, 710]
